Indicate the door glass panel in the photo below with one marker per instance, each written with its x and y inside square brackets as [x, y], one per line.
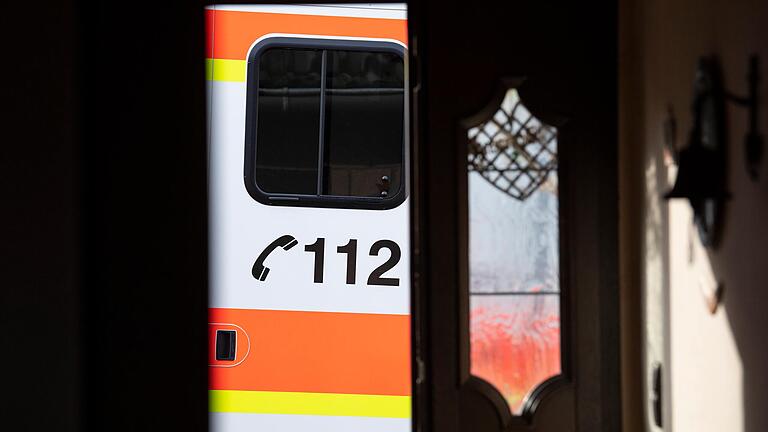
[514, 251]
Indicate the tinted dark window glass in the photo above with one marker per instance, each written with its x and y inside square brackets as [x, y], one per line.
[327, 124]
[363, 149]
[288, 120]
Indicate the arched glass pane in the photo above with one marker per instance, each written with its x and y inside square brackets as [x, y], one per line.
[514, 251]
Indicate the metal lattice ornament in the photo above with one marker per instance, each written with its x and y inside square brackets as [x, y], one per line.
[513, 150]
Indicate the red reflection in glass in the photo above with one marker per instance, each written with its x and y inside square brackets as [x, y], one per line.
[515, 342]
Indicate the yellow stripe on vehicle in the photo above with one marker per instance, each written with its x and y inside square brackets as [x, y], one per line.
[224, 70]
[325, 404]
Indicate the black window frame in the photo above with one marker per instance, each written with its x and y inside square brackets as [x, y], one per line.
[251, 123]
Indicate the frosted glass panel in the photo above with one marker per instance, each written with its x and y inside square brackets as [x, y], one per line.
[514, 252]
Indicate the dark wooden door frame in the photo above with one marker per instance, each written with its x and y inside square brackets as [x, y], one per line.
[460, 56]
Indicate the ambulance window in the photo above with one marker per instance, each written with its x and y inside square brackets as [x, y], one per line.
[364, 129]
[325, 123]
[288, 121]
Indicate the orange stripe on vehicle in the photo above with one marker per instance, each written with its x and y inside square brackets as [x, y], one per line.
[235, 32]
[320, 352]
[209, 14]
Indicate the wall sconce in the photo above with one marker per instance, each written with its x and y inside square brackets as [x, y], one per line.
[701, 174]
[701, 170]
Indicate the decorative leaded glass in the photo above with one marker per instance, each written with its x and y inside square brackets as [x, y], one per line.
[513, 150]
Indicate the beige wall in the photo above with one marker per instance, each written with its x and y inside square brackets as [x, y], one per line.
[716, 365]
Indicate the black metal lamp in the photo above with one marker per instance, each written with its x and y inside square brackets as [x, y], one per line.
[701, 170]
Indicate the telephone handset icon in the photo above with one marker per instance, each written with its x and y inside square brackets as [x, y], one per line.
[259, 271]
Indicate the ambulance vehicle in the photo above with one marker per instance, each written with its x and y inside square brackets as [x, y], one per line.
[309, 308]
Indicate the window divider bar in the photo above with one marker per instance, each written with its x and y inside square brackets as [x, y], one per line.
[321, 141]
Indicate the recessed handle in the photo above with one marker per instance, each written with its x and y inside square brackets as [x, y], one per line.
[226, 344]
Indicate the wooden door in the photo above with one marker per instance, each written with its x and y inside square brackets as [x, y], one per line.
[561, 58]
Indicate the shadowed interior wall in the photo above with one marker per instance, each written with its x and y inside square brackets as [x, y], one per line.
[103, 292]
[39, 291]
[715, 375]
